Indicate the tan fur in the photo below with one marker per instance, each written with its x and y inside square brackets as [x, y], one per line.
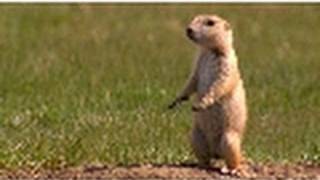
[220, 106]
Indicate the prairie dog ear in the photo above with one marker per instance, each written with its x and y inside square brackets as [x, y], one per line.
[227, 26]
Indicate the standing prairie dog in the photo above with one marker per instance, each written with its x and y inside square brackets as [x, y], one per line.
[220, 111]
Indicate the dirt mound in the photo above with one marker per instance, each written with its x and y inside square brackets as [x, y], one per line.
[184, 171]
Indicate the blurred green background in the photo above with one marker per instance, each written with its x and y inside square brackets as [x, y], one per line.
[89, 84]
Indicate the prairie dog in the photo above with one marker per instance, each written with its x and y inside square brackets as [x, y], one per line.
[220, 110]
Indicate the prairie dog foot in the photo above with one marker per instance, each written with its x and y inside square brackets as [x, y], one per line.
[239, 172]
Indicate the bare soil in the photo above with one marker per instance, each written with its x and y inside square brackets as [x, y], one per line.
[182, 171]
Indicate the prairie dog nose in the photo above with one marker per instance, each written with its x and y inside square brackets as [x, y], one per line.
[189, 32]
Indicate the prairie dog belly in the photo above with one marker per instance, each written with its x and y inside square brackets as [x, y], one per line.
[227, 114]
[230, 107]
[210, 120]
[206, 75]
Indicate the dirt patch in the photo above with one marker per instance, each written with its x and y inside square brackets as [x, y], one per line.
[267, 171]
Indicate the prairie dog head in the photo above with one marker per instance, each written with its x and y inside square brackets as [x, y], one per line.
[210, 32]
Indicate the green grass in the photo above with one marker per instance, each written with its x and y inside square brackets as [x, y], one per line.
[87, 84]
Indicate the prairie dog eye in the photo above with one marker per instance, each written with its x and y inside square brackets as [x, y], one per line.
[209, 23]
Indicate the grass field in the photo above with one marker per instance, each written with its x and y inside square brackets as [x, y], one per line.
[87, 84]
